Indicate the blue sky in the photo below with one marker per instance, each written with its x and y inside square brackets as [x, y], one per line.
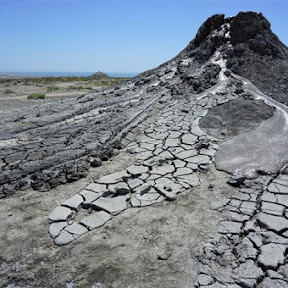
[111, 35]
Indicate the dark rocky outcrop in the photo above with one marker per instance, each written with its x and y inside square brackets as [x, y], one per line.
[258, 54]
[255, 52]
[211, 24]
[209, 36]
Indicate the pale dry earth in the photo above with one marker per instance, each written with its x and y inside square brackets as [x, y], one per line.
[142, 247]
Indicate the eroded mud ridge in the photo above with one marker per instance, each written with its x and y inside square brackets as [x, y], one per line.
[51, 145]
[160, 118]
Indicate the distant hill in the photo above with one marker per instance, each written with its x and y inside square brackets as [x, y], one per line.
[99, 74]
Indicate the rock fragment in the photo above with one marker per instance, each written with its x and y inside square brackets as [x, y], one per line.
[189, 139]
[55, 228]
[74, 202]
[137, 170]
[95, 220]
[96, 187]
[236, 180]
[113, 178]
[119, 189]
[248, 274]
[111, 205]
[63, 238]
[272, 255]
[96, 162]
[61, 214]
[76, 229]
[273, 223]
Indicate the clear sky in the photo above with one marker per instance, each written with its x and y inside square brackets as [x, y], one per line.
[111, 35]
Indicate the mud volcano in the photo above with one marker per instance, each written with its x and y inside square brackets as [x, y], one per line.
[193, 190]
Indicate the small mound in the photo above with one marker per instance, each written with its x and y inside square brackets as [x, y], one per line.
[99, 75]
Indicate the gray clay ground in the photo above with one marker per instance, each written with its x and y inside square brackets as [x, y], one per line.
[157, 213]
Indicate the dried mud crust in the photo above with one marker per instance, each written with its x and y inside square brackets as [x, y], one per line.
[250, 248]
[171, 152]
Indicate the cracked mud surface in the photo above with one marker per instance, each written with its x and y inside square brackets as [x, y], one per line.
[170, 154]
[250, 247]
[157, 213]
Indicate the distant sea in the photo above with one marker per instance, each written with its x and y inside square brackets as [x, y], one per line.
[62, 74]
